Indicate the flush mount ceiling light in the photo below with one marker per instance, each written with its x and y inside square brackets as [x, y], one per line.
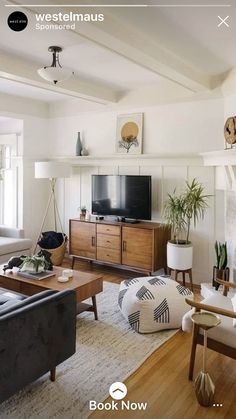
[55, 72]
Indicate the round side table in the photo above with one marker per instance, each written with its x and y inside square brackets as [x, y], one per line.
[204, 386]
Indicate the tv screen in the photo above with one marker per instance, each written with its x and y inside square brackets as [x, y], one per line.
[123, 196]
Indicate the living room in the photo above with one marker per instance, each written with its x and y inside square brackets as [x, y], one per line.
[141, 68]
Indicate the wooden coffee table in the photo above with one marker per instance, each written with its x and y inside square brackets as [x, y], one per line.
[86, 285]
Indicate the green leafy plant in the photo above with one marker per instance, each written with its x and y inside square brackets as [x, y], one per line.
[83, 208]
[221, 255]
[35, 261]
[180, 211]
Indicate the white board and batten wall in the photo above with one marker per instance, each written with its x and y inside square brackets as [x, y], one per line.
[174, 135]
[167, 175]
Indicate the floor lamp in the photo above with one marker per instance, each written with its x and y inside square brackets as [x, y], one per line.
[51, 170]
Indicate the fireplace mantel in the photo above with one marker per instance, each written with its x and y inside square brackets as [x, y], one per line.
[220, 157]
[225, 164]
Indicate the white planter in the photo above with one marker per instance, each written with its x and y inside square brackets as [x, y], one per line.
[179, 256]
[29, 267]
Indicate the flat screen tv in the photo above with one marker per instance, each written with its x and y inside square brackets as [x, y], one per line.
[122, 196]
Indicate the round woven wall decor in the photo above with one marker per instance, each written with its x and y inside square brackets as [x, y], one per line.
[230, 130]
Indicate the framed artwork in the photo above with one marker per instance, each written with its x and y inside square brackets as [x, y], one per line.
[129, 133]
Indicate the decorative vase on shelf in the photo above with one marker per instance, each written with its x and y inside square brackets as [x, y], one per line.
[84, 152]
[78, 146]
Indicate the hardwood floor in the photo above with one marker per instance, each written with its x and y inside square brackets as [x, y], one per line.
[162, 380]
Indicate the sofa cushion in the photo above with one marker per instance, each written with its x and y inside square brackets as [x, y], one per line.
[10, 245]
[225, 332]
[9, 299]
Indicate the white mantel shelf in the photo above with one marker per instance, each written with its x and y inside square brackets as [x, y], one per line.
[133, 159]
[220, 158]
[225, 167]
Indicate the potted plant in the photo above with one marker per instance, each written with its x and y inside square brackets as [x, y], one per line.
[220, 270]
[34, 264]
[179, 212]
[83, 212]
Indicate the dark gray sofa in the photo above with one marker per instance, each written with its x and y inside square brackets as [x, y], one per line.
[36, 334]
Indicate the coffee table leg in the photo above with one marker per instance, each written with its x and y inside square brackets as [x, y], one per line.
[95, 307]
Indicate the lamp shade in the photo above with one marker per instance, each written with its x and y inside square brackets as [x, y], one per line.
[51, 169]
[55, 74]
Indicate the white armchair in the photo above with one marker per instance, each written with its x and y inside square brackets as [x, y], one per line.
[222, 338]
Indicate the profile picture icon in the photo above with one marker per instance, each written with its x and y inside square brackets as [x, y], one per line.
[17, 21]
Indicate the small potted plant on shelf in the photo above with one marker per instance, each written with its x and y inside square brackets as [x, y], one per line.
[179, 212]
[83, 212]
[34, 264]
[220, 270]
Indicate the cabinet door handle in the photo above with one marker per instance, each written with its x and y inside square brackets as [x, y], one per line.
[93, 241]
[124, 246]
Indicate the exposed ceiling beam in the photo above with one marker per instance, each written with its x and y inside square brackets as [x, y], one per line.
[131, 44]
[135, 46]
[17, 69]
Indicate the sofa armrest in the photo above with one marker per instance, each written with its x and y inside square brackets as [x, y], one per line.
[34, 339]
[14, 233]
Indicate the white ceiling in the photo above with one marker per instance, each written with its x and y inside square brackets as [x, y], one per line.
[24, 90]
[89, 60]
[191, 34]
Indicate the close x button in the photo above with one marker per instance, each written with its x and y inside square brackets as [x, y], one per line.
[223, 21]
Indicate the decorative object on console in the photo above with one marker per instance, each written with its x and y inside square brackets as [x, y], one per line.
[83, 212]
[220, 270]
[55, 72]
[151, 304]
[129, 133]
[52, 170]
[78, 146]
[178, 212]
[230, 132]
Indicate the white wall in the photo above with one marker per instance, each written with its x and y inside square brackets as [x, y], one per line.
[229, 198]
[35, 145]
[190, 127]
[179, 129]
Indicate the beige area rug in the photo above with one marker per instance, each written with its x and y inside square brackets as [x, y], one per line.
[108, 350]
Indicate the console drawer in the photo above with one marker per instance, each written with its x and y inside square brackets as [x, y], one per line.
[108, 255]
[109, 241]
[108, 229]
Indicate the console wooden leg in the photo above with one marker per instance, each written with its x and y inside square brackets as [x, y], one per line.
[53, 374]
[73, 262]
[183, 278]
[95, 307]
[175, 275]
